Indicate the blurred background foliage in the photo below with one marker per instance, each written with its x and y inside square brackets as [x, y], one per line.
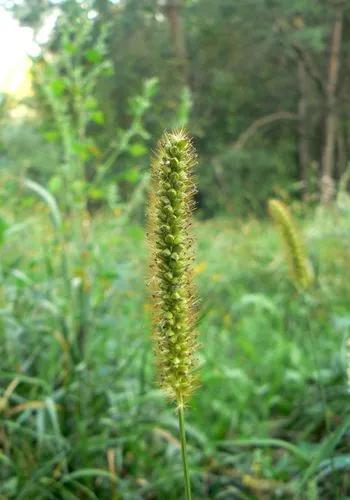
[259, 92]
[262, 85]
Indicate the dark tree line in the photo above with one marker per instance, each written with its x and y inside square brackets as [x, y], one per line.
[263, 83]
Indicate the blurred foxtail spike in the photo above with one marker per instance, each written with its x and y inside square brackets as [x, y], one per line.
[300, 268]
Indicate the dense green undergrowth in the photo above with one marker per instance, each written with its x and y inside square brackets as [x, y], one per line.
[80, 413]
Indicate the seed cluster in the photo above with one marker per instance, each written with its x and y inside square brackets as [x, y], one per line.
[170, 223]
[300, 267]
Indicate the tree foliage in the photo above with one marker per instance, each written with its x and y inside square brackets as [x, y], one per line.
[228, 68]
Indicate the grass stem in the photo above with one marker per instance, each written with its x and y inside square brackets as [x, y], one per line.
[184, 451]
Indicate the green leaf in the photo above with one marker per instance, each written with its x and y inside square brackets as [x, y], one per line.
[88, 473]
[91, 103]
[70, 47]
[21, 277]
[55, 183]
[51, 409]
[98, 117]
[51, 135]
[4, 459]
[324, 451]
[9, 486]
[47, 197]
[137, 149]
[151, 87]
[267, 443]
[58, 87]
[96, 193]
[3, 228]
[340, 462]
[93, 56]
[258, 300]
[132, 175]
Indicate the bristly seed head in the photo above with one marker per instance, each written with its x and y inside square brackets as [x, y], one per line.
[171, 203]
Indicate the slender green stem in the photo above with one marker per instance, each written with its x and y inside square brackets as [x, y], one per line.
[184, 451]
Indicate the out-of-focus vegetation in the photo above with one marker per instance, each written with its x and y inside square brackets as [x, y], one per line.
[262, 86]
[85, 419]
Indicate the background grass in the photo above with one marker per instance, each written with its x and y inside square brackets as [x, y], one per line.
[271, 417]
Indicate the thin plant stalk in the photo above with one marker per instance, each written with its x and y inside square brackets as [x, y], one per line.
[174, 333]
[187, 481]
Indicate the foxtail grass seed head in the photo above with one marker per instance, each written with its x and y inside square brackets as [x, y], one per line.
[171, 204]
[299, 265]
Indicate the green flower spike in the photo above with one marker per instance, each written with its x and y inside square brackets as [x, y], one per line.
[170, 227]
[175, 338]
